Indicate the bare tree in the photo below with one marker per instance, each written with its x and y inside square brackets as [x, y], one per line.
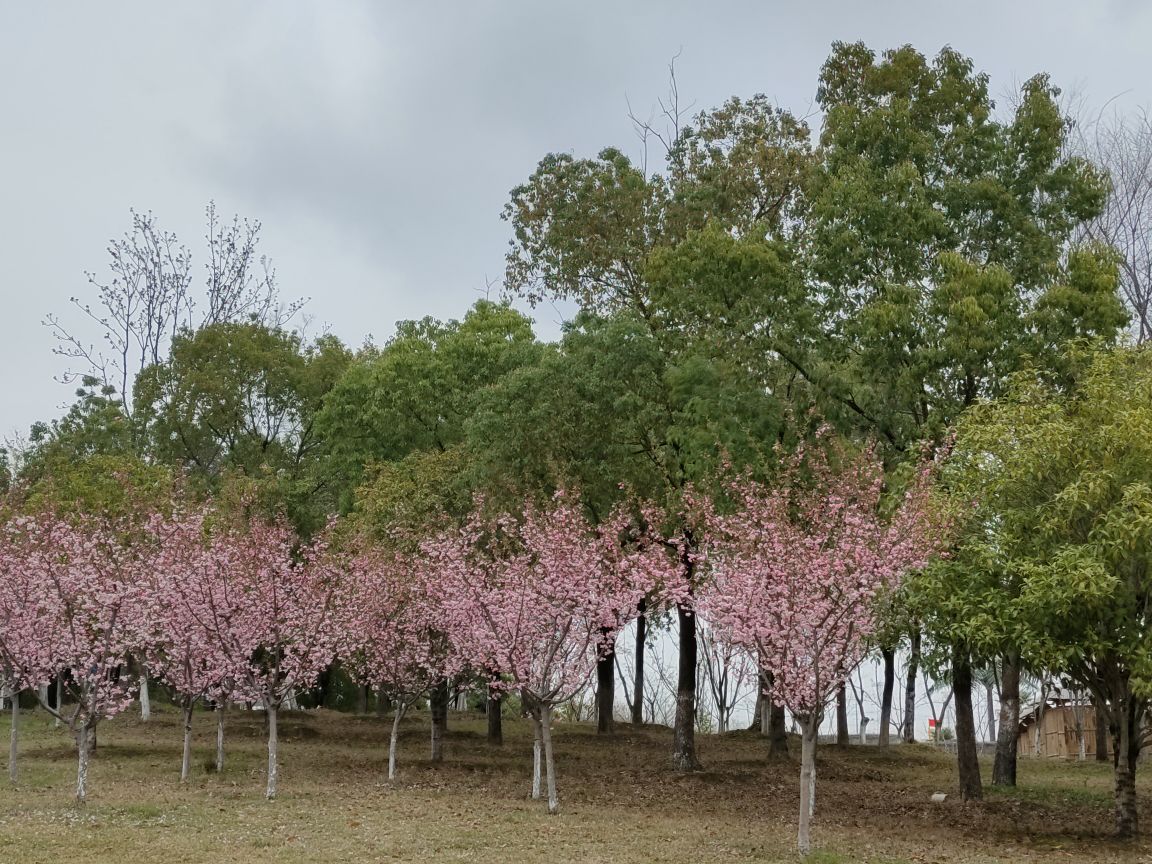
[147, 298]
[1121, 145]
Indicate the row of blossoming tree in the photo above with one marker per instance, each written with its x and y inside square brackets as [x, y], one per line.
[226, 608]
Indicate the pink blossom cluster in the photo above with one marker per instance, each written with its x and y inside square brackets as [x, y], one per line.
[795, 567]
[537, 598]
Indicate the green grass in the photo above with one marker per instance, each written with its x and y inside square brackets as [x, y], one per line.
[620, 800]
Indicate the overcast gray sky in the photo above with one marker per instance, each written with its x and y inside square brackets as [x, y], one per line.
[378, 141]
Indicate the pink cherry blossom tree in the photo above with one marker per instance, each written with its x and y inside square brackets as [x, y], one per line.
[796, 568]
[281, 627]
[533, 598]
[70, 608]
[391, 633]
[187, 607]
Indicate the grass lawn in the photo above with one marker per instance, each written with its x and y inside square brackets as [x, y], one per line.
[620, 802]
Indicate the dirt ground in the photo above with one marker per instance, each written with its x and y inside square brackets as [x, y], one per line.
[620, 800]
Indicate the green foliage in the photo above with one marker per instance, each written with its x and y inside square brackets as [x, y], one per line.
[937, 235]
[242, 399]
[417, 392]
[1058, 524]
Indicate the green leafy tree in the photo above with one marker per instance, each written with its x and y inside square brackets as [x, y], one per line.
[243, 399]
[938, 238]
[1059, 540]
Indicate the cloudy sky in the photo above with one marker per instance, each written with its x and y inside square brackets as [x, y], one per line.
[378, 141]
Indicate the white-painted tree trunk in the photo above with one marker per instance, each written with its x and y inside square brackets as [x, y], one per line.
[59, 700]
[807, 785]
[42, 694]
[273, 763]
[220, 706]
[537, 746]
[549, 762]
[864, 730]
[14, 743]
[401, 707]
[145, 697]
[186, 761]
[84, 752]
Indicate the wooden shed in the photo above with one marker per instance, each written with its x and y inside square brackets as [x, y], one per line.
[1057, 722]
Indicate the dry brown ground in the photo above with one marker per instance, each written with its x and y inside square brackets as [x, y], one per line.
[620, 801]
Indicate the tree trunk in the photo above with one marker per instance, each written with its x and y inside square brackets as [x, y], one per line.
[684, 735]
[759, 717]
[967, 757]
[537, 747]
[884, 733]
[1101, 731]
[777, 732]
[14, 742]
[400, 707]
[186, 760]
[549, 762]
[842, 715]
[495, 719]
[811, 727]
[1126, 746]
[910, 687]
[641, 644]
[59, 700]
[606, 692]
[362, 700]
[439, 710]
[1004, 768]
[145, 697]
[220, 706]
[990, 702]
[83, 753]
[273, 755]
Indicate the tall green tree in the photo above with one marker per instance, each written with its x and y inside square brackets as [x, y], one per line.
[243, 399]
[1059, 541]
[938, 239]
[660, 251]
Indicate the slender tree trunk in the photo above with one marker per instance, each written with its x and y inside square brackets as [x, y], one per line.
[83, 752]
[883, 738]
[1101, 731]
[606, 692]
[1126, 744]
[59, 700]
[810, 729]
[186, 760]
[395, 737]
[777, 732]
[990, 703]
[641, 645]
[14, 742]
[220, 706]
[537, 748]
[495, 720]
[1007, 738]
[842, 715]
[759, 719]
[910, 687]
[549, 762]
[684, 735]
[362, 700]
[967, 757]
[439, 710]
[145, 697]
[273, 755]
